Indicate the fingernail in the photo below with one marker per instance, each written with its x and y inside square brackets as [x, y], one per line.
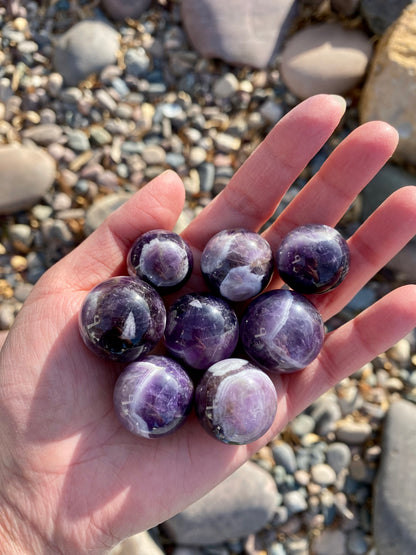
[339, 100]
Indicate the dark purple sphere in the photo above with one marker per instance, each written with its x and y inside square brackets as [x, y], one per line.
[235, 401]
[153, 396]
[282, 331]
[313, 258]
[201, 329]
[162, 258]
[122, 319]
[237, 264]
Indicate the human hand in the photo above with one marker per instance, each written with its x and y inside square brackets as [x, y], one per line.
[72, 480]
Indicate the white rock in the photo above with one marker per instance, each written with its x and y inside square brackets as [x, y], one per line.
[295, 501]
[197, 156]
[400, 351]
[154, 155]
[323, 474]
[6, 316]
[139, 544]
[54, 85]
[226, 142]
[21, 236]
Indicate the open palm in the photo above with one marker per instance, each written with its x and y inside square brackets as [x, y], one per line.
[71, 479]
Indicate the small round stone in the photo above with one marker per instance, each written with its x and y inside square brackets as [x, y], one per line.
[323, 474]
[400, 351]
[237, 264]
[87, 47]
[153, 396]
[282, 331]
[201, 329]
[353, 433]
[122, 319]
[162, 258]
[338, 456]
[295, 501]
[313, 258]
[226, 86]
[302, 425]
[235, 401]
[284, 455]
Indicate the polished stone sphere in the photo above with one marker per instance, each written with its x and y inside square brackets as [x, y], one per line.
[313, 258]
[153, 396]
[237, 264]
[201, 329]
[122, 319]
[162, 258]
[235, 401]
[282, 331]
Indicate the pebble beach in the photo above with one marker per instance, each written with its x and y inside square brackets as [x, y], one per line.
[96, 99]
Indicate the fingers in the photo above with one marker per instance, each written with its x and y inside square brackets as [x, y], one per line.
[376, 242]
[102, 255]
[254, 192]
[348, 348]
[347, 171]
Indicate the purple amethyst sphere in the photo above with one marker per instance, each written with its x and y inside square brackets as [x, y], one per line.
[122, 319]
[237, 264]
[201, 329]
[153, 396]
[162, 258]
[282, 331]
[313, 258]
[235, 401]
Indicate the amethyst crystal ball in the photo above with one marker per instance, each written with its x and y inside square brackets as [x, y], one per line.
[122, 319]
[153, 396]
[235, 401]
[237, 264]
[313, 258]
[282, 331]
[201, 329]
[162, 258]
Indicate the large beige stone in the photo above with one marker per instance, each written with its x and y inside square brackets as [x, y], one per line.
[325, 58]
[241, 505]
[25, 175]
[389, 93]
[240, 32]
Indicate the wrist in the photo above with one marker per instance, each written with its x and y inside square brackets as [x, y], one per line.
[18, 535]
[8, 541]
[15, 538]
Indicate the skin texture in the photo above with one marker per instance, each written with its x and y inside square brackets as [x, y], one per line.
[71, 479]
